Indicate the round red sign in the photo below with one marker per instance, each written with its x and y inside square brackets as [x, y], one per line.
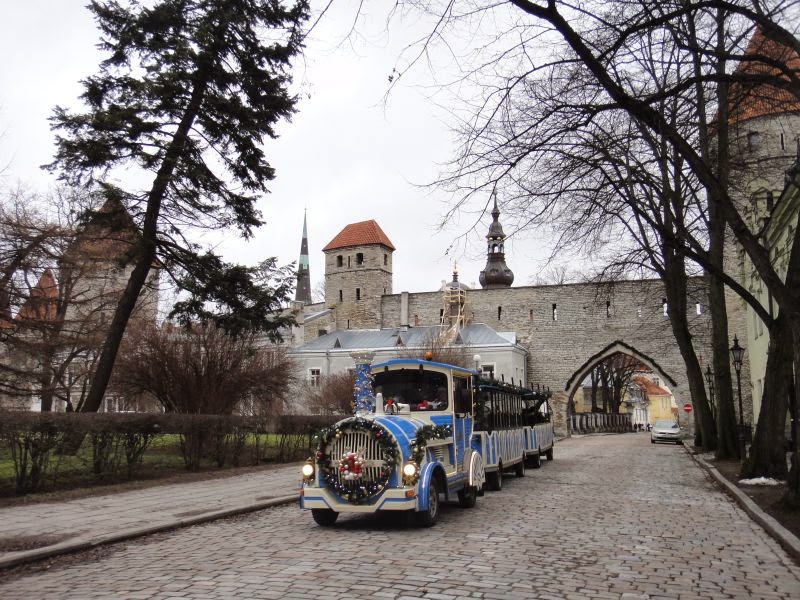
[687, 408]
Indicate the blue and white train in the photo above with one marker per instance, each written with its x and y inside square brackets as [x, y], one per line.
[433, 431]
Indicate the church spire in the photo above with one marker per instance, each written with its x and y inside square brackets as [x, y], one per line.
[303, 292]
[496, 274]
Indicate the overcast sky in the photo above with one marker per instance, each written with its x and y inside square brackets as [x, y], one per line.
[345, 157]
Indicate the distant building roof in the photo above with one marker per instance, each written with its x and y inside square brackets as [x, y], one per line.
[42, 303]
[761, 99]
[474, 334]
[109, 233]
[650, 388]
[364, 233]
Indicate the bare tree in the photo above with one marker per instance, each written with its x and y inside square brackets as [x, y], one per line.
[331, 395]
[601, 44]
[439, 348]
[203, 370]
[51, 324]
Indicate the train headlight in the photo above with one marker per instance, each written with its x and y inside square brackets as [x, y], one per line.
[409, 470]
[308, 470]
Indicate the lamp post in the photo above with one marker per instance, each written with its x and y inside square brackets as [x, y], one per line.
[737, 352]
[710, 382]
[477, 359]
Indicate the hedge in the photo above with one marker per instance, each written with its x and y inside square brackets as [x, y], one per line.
[107, 447]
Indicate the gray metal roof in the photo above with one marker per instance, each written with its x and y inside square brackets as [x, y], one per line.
[474, 334]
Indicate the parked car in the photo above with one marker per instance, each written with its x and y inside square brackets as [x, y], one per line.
[665, 431]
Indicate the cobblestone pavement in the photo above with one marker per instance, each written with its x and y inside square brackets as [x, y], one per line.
[611, 517]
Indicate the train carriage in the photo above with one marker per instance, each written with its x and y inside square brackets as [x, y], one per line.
[512, 429]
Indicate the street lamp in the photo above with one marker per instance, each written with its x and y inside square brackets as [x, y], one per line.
[737, 353]
[477, 360]
[710, 382]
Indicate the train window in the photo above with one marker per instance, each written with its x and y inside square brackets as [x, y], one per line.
[463, 401]
[420, 390]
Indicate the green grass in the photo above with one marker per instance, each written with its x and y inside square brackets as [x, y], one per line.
[163, 458]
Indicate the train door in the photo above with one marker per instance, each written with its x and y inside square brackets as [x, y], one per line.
[462, 430]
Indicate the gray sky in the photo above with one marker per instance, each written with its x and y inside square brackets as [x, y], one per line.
[346, 156]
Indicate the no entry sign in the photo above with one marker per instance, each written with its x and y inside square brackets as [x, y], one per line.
[687, 408]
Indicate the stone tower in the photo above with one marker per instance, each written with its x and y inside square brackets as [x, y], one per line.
[496, 274]
[764, 129]
[303, 291]
[358, 271]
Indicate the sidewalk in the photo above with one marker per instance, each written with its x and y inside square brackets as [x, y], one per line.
[87, 522]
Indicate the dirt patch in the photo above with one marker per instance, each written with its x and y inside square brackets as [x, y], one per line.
[768, 497]
[31, 542]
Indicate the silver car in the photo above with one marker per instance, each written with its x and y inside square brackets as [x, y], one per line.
[665, 431]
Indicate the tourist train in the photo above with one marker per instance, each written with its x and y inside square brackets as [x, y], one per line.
[424, 431]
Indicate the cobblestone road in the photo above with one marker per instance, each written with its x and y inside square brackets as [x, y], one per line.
[611, 517]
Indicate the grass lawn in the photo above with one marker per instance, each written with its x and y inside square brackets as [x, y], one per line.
[162, 459]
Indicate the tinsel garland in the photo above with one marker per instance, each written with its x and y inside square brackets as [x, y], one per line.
[360, 490]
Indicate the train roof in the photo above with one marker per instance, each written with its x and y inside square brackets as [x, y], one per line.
[424, 363]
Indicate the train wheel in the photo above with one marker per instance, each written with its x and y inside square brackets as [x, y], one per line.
[467, 496]
[519, 468]
[549, 454]
[428, 518]
[494, 480]
[535, 460]
[324, 516]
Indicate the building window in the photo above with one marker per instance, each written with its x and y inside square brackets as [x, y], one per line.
[664, 307]
[348, 262]
[341, 296]
[487, 371]
[530, 315]
[340, 261]
[358, 293]
[753, 141]
[608, 309]
[314, 377]
[555, 312]
[783, 142]
[700, 309]
[359, 258]
[385, 259]
[499, 312]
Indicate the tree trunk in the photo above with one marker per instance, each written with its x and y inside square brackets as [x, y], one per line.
[146, 252]
[792, 497]
[676, 291]
[768, 452]
[726, 429]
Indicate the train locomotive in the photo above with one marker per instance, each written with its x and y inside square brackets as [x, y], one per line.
[414, 441]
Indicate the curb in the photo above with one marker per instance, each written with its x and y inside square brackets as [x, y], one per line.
[789, 541]
[13, 559]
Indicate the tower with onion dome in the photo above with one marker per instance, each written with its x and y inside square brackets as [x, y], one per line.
[496, 274]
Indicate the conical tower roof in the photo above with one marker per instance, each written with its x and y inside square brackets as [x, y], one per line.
[759, 98]
[42, 304]
[303, 291]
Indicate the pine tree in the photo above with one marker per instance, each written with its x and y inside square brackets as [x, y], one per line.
[187, 94]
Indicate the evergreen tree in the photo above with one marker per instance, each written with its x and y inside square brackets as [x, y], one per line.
[187, 94]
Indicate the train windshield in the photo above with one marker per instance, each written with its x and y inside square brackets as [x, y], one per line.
[420, 390]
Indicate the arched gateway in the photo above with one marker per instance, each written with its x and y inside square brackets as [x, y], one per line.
[568, 329]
